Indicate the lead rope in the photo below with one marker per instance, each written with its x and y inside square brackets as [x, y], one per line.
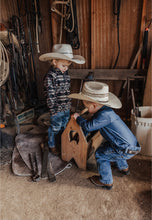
[4, 64]
[61, 27]
[67, 18]
[118, 14]
[37, 27]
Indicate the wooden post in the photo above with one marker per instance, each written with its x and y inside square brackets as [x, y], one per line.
[55, 24]
[147, 100]
[142, 28]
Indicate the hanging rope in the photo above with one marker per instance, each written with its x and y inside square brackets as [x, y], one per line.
[73, 36]
[68, 11]
[61, 28]
[117, 13]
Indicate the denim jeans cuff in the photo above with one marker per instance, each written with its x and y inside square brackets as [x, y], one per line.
[51, 146]
[123, 168]
[106, 182]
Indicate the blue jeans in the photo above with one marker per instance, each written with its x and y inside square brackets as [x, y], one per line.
[58, 124]
[105, 154]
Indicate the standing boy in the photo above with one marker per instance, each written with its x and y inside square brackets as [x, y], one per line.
[57, 89]
[120, 143]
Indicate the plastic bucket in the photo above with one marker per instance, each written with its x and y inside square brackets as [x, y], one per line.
[142, 129]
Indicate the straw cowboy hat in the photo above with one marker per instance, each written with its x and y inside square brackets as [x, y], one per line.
[97, 92]
[62, 51]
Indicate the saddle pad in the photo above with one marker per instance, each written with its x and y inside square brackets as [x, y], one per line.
[29, 143]
[18, 166]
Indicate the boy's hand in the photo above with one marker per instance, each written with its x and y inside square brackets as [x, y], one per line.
[75, 115]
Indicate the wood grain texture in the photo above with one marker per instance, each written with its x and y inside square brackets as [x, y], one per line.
[147, 100]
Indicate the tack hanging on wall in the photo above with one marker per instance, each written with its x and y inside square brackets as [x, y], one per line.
[68, 22]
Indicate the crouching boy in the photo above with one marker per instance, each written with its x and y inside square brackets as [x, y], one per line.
[120, 143]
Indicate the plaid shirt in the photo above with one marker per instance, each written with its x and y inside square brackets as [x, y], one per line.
[56, 90]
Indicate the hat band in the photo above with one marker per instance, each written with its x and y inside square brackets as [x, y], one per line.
[98, 97]
[70, 55]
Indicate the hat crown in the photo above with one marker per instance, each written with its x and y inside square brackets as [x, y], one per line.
[63, 52]
[64, 49]
[96, 90]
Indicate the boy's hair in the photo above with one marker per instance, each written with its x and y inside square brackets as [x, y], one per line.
[52, 64]
[88, 102]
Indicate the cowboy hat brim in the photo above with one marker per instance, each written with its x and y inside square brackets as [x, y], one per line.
[113, 101]
[49, 56]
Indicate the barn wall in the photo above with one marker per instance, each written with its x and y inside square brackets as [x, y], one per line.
[97, 26]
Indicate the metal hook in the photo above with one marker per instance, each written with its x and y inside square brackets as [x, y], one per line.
[53, 7]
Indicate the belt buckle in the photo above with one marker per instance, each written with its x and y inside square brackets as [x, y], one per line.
[132, 152]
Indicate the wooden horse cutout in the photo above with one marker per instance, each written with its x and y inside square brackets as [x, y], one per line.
[74, 144]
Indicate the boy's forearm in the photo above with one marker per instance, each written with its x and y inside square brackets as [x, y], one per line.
[80, 120]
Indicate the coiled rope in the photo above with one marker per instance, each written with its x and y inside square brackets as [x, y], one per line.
[4, 64]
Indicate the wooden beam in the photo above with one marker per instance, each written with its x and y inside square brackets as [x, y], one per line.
[147, 100]
[142, 28]
[55, 25]
[106, 74]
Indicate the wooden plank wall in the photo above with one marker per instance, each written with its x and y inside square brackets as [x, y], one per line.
[104, 33]
[102, 41]
[97, 26]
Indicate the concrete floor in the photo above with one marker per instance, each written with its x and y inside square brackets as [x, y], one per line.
[73, 196]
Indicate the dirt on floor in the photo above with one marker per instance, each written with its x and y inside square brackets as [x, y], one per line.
[74, 197]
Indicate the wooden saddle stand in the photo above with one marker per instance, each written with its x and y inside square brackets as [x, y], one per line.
[76, 146]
